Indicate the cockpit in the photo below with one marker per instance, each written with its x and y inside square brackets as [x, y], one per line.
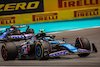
[43, 36]
[40, 35]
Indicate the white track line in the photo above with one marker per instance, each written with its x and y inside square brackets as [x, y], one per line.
[53, 32]
[95, 27]
[83, 28]
[75, 30]
[72, 30]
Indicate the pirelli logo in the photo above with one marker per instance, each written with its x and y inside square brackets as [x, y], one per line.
[7, 20]
[88, 12]
[43, 17]
[76, 3]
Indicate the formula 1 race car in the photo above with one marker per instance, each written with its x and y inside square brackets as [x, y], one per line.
[42, 46]
[14, 33]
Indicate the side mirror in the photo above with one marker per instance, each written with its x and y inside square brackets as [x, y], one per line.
[64, 39]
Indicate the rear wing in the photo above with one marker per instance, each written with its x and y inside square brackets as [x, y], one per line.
[22, 26]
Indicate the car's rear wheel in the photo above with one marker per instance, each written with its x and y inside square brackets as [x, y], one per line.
[42, 50]
[83, 43]
[9, 51]
[30, 31]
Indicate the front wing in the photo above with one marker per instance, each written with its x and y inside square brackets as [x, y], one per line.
[79, 51]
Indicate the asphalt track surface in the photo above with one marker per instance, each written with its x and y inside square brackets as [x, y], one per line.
[93, 60]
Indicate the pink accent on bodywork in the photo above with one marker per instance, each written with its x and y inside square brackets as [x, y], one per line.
[25, 45]
[26, 35]
[21, 44]
[28, 48]
[4, 54]
[80, 43]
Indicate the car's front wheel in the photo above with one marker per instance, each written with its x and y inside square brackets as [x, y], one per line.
[83, 43]
[42, 52]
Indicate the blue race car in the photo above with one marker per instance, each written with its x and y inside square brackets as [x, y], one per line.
[42, 46]
[14, 33]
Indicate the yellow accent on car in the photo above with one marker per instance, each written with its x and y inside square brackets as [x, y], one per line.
[41, 48]
[6, 51]
[42, 30]
[42, 51]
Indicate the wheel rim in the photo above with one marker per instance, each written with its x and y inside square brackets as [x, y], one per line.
[4, 54]
[38, 51]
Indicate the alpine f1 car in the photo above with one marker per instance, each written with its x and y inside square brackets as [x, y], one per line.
[14, 33]
[42, 46]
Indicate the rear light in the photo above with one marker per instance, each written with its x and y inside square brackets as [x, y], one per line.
[32, 30]
[19, 31]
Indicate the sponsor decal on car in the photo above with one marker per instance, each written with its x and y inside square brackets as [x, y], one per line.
[44, 17]
[21, 36]
[63, 52]
[7, 20]
[83, 50]
[87, 12]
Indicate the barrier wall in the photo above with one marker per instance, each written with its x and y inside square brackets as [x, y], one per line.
[9, 7]
[35, 11]
[49, 16]
[56, 5]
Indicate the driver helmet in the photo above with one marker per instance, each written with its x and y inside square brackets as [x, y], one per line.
[48, 39]
[12, 26]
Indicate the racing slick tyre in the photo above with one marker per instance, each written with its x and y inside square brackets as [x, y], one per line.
[30, 31]
[9, 51]
[83, 43]
[42, 50]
